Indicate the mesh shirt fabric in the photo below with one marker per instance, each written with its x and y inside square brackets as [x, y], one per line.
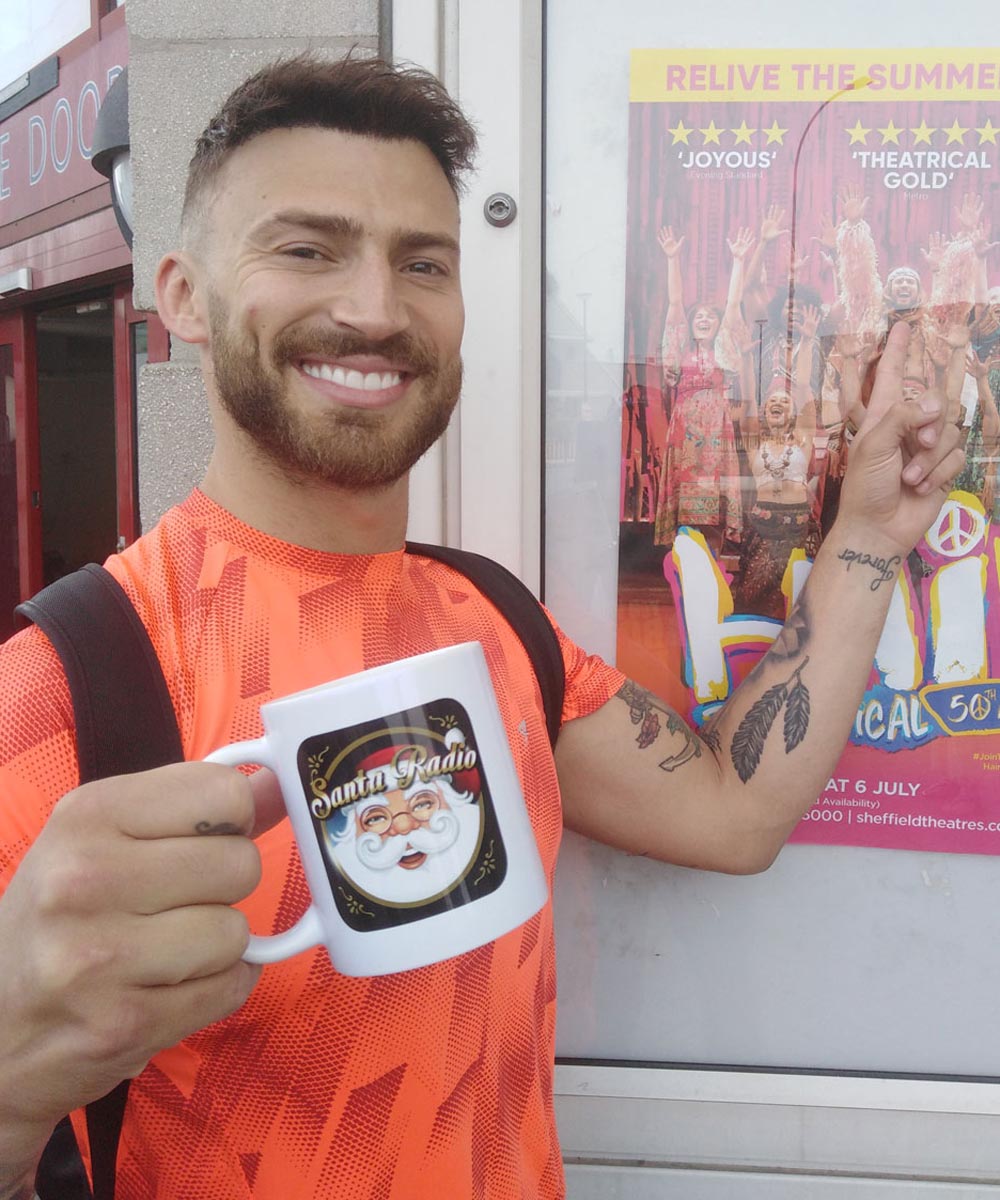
[430, 1083]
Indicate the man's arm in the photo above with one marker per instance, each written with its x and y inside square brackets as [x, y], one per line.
[635, 776]
[118, 939]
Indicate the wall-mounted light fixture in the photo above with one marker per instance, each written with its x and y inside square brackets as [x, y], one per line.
[112, 155]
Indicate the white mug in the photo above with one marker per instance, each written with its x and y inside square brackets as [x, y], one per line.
[407, 811]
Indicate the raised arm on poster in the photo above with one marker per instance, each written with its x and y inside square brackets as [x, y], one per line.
[728, 798]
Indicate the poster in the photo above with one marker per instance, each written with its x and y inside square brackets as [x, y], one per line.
[784, 209]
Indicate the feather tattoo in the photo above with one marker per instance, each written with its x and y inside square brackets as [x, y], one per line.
[749, 739]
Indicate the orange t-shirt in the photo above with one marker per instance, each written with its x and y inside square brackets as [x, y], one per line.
[435, 1082]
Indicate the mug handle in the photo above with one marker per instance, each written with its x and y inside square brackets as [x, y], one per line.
[308, 930]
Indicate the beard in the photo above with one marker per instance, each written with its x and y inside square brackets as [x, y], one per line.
[354, 449]
[389, 883]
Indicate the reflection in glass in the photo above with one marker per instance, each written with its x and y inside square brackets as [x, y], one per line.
[76, 420]
[9, 575]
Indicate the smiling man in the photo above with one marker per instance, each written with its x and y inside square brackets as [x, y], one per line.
[318, 273]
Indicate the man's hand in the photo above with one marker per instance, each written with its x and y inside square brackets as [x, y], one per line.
[118, 936]
[905, 455]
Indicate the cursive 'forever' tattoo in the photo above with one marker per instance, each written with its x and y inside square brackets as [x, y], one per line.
[885, 568]
[207, 829]
[645, 711]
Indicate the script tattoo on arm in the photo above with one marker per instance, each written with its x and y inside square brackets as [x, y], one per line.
[884, 568]
[645, 710]
[792, 695]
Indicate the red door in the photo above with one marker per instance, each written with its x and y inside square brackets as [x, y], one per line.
[68, 484]
[20, 513]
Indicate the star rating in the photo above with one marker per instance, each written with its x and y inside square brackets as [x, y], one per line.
[987, 133]
[956, 134]
[776, 134]
[890, 133]
[711, 134]
[743, 134]
[680, 133]
[922, 133]
[858, 134]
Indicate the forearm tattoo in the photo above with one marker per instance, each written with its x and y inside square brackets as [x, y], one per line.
[791, 695]
[884, 568]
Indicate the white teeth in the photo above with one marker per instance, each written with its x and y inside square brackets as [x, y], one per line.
[372, 382]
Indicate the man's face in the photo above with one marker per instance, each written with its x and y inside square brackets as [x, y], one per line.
[331, 266]
[904, 290]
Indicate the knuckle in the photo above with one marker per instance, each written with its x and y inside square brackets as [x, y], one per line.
[234, 798]
[233, 932]
[243, 866]
[71, 882]
[69, 966]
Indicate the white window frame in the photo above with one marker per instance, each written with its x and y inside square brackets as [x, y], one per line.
[482, 489]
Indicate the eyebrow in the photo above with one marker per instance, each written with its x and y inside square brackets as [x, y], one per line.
[338, 227]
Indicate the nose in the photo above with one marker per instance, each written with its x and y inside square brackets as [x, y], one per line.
[366, 298]
[402, 824]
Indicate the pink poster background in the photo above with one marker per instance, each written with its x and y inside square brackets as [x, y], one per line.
[922, 769]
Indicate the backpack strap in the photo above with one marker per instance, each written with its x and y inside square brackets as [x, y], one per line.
[125, 722]
[523, 613]
[108, 657]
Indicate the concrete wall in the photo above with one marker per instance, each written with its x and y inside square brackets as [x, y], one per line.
[185, 56]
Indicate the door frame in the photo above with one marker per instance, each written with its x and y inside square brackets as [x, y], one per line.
[126, 317]
[17, 329]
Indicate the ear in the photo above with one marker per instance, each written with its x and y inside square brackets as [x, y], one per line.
[180, 298]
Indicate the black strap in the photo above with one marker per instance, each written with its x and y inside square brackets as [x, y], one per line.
[125, 722]
[124, 717]
[523, 613]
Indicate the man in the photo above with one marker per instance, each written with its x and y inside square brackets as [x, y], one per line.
[903, 290]
[319, 275]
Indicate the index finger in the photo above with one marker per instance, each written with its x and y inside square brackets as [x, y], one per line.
[888, 389]
[183, 799]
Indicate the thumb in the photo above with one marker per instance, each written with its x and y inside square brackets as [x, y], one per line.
[269, 805]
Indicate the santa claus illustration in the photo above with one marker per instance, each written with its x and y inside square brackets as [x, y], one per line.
[415, 833]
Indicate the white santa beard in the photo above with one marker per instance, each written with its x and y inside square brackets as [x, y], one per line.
[437, 873]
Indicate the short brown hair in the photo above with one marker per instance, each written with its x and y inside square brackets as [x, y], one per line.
[365, 96]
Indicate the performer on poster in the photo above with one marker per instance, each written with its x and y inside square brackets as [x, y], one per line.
[784, 516]
[700, 475]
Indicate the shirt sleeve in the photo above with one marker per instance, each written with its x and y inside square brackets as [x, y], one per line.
[38, 761]
[590, 682]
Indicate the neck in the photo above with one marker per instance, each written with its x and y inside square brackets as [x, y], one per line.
[318, 516]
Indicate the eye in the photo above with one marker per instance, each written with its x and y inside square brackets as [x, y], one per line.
[377, 820]
[424, 266]
[423, 804]
[308, 253]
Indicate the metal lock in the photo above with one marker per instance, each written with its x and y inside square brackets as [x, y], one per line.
[500, 209]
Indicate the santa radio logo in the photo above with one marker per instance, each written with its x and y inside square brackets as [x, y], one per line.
[403, 814]
[932, 674]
